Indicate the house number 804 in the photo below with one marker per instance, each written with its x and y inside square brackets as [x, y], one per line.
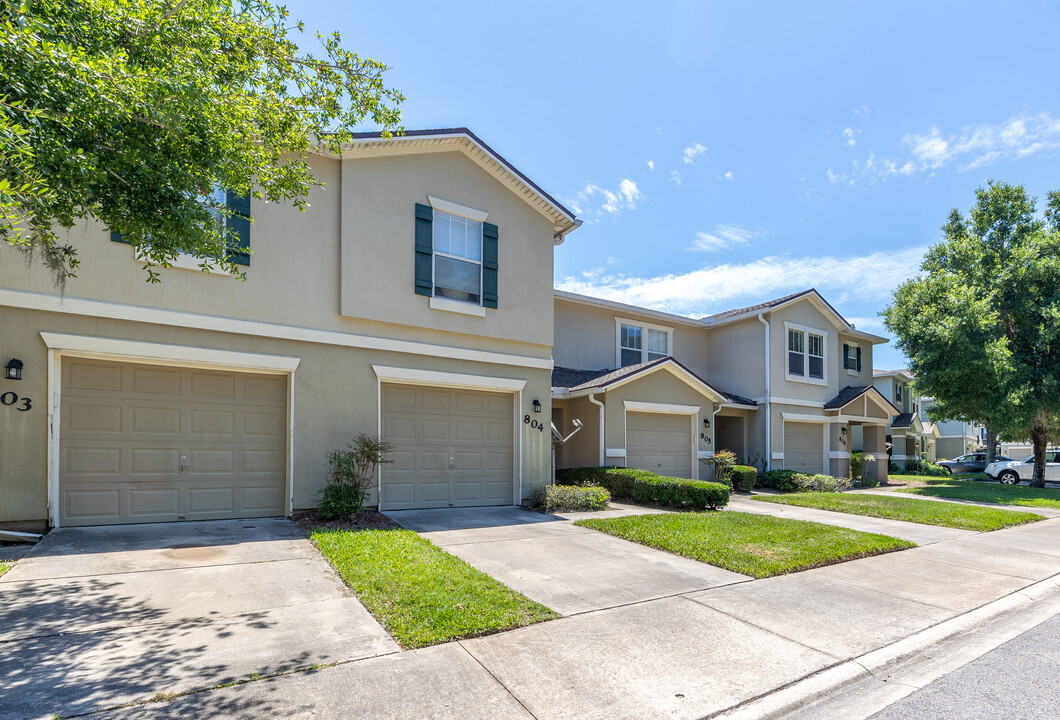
[540, 427]
[10, 398]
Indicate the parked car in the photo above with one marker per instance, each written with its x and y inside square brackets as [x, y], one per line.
[1013, 471]
[970, 463]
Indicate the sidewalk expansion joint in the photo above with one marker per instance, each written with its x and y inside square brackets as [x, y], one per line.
[154, 570]
[496, 679]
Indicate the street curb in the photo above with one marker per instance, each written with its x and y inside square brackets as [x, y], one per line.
[1043, 595]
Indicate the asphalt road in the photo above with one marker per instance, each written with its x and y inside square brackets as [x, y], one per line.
[1018, 680]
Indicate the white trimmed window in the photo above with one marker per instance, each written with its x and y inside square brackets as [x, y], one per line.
[639, 343]
[806, 358]
[457, 258]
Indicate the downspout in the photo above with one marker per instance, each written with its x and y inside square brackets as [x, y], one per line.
[594, 401]
[769, 420]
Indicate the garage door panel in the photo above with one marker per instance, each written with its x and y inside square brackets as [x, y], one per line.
[661, 443]
[459, 450]
[122, 443]
[804, 447]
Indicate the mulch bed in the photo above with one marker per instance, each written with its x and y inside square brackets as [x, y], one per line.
[308, 521]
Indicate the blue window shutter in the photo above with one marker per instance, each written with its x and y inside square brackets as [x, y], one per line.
[859, 360]
[846, 355]
[489, 265]
[116, 237]
[424, 250]
[239, 223]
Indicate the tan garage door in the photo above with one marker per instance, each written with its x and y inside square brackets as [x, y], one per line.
[126, 429]
[804, 447]
[660, 443]
[452, 448]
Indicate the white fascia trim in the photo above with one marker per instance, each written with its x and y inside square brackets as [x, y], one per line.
[456, 209]
[625, 307]
[414, 376]
[662, 408]
[864, 420]
[797, 417]
[455, 306]
[838, 455]
[174, 318]
[169, 354]
[738, 406]
[793, 401]
[615, 453]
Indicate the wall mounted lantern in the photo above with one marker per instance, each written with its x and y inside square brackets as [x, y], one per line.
[843, 430]
[13, 369]
[537, 406]
[706, 422]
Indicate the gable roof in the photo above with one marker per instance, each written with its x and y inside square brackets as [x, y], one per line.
[373, 144]
[852, 392]
[571, 380]
[903, 420]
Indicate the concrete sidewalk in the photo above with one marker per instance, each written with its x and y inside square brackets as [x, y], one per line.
[691, 655]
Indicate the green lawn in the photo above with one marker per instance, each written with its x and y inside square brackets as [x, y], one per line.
[5, 566]
[990, 492]
[927, 512]
[756, 545]
[922, 478]
[421, 594]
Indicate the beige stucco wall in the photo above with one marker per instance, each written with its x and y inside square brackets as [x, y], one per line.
[849, 376]
[736, 356]
[586, 338]
[806, 315]
[335, 397]
[583, 450]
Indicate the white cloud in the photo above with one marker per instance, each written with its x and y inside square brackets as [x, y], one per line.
[861, 110]
[725, 236]
[848, 136]
[675, 177]
[973, 146]
[692, 152]
[651, 164]
[594, 201]
[728, 175]
[867, 323]
[859, 278]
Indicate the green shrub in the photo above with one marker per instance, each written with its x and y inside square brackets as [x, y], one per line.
[582, 475]
[350, 475]
[569, 498]
[856, 465]
[789, 481]
[723, 462]
[642, 486]
[744, 477]
[932, 470]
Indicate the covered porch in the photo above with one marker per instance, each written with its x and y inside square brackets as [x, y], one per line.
[864, 412]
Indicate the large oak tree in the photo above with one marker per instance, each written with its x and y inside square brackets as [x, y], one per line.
[981, 324]
[134, 111]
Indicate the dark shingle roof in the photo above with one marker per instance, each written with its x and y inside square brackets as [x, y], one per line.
[573, 379]
[760, 306]
[846, 395]
[903, 421]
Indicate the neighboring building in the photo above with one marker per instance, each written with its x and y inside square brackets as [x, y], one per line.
[955, 437]
[413, 299]
[783, 384]
[907, 435]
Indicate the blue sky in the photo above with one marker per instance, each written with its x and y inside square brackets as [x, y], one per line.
[722, 154]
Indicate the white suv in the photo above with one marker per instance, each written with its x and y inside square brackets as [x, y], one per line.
[1013, 471]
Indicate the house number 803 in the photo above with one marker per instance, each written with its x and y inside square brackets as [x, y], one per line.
[10, 398]
[540, 427]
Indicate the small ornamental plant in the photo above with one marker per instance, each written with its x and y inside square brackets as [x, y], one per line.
[350, 476]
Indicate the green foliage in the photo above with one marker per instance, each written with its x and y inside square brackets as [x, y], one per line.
[789, 481]
[856, 465]
[931, 470]
[987, 492]
[979, 325]
[723, 462]
[927, 512]
[643, 486]
[582, 475]
[132, 112]
[744, 477]
[569, 498]
[755, 545]
[421, 594]
[351, 473]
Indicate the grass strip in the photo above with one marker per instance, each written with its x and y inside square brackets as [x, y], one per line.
[925, 512]
[755, 545]
[4, 567]
[992, 492]
[421, 594]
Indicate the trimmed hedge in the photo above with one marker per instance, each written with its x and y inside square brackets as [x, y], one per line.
[744, 477]
[570, 498]
[789, 481]
[642, 486]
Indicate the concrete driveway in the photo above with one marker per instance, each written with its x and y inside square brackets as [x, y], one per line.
[549, 559]
[93, 618]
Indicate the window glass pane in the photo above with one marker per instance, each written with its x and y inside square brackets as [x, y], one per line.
[474, 240]
[631, 337]
[816, 367]
[816, 345]
[457, 280]
[657, 342]
[656, 356]
[441, 232]
[795, 340]
[795, 363]
[459, 237]
[630, 357]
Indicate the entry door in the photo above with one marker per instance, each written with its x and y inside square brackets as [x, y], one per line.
[660, 443]
[452, 447]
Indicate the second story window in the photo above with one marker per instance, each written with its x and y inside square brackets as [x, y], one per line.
[457, 258]
[805, 355]
[639, 343]
[898, 392]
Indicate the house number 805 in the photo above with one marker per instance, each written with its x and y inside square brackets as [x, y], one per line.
[540, 427]
[10, 398]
